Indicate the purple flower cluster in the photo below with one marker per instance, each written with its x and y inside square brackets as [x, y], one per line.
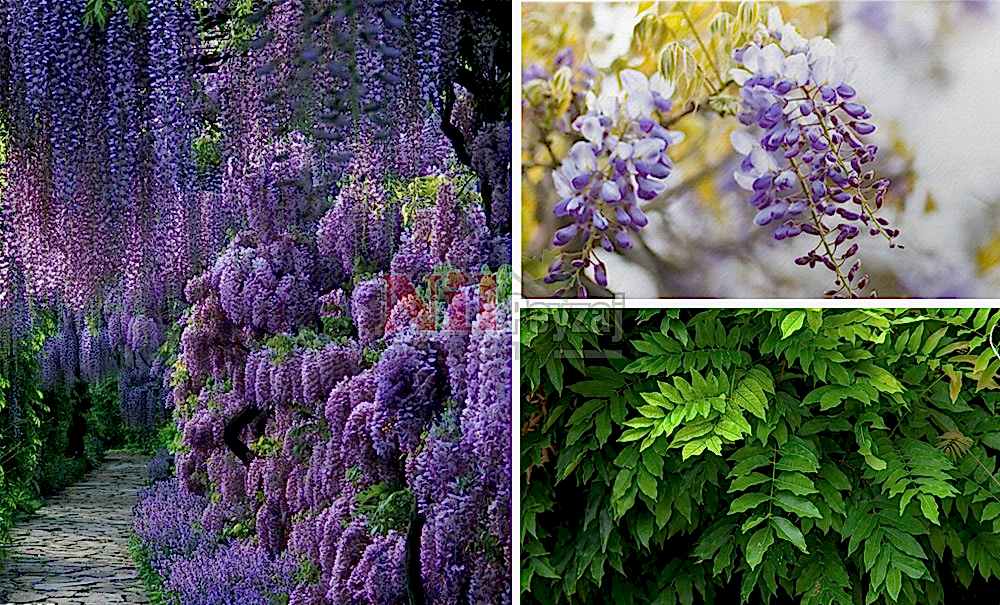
[166, 520]
[427, 418]
[369, 309]
[622, 161]
[225, 239]
[362, 224]
[238, 573]
[198, 565]
[408, 393]
[491, 151]
[806, 161]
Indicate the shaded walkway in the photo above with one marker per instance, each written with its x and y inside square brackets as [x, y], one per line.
[75, 549]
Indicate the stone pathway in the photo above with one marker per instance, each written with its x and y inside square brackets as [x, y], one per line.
[74, 550]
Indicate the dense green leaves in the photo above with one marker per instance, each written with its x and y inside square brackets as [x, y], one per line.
[821, 457]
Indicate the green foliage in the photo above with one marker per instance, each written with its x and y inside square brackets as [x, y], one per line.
[206, 148]
[821, 457]
[97, 12]
[49, 439]
[150, 579]
[265, 446]
[385, 507]
[240, 28]
[414, 194]
[105, 428]
[308, 572]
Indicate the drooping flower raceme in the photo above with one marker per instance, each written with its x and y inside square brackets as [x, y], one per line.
[805, 161]
[621, 162]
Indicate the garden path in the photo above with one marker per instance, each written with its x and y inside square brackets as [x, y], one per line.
[74, 550]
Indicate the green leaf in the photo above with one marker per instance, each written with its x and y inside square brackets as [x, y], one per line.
[797, 505]
[749, 395]
[622, 482]
[814, 318]
[786, 530]
[881, 379]
[797, 483]
[792, 323]
[543, 569]
[933, 340]
[593, 388]
[633, 435]
[753, 521]
[992, 511]
[554, 368]
[603, 427]
[836, 477]
[693, 448]
[796, 455]
[692, 431]
[644, 529]
[905, 542]
[758, 544]
[647, 483]
[586, 411]
[741, 483]
[893, 583]
[929, 507]
[747, 502]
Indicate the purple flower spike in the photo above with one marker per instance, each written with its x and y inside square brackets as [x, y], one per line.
[804, 155]
[620, 158]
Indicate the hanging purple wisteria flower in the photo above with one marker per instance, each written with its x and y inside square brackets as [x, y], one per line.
[805, 159]
[621, 163]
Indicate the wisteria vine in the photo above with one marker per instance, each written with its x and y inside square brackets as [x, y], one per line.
[807, 163]
[803, 146]
[285, 231]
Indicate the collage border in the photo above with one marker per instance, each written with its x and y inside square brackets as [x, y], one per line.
[518, 303]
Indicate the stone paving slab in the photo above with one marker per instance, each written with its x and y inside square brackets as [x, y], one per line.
[74, 550]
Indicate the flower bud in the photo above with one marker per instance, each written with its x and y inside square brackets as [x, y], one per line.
[565, 235]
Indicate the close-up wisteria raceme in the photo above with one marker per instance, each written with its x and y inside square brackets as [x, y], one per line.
[255, 299]
[764, 149]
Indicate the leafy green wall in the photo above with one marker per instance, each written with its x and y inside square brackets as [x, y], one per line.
[760, 456]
